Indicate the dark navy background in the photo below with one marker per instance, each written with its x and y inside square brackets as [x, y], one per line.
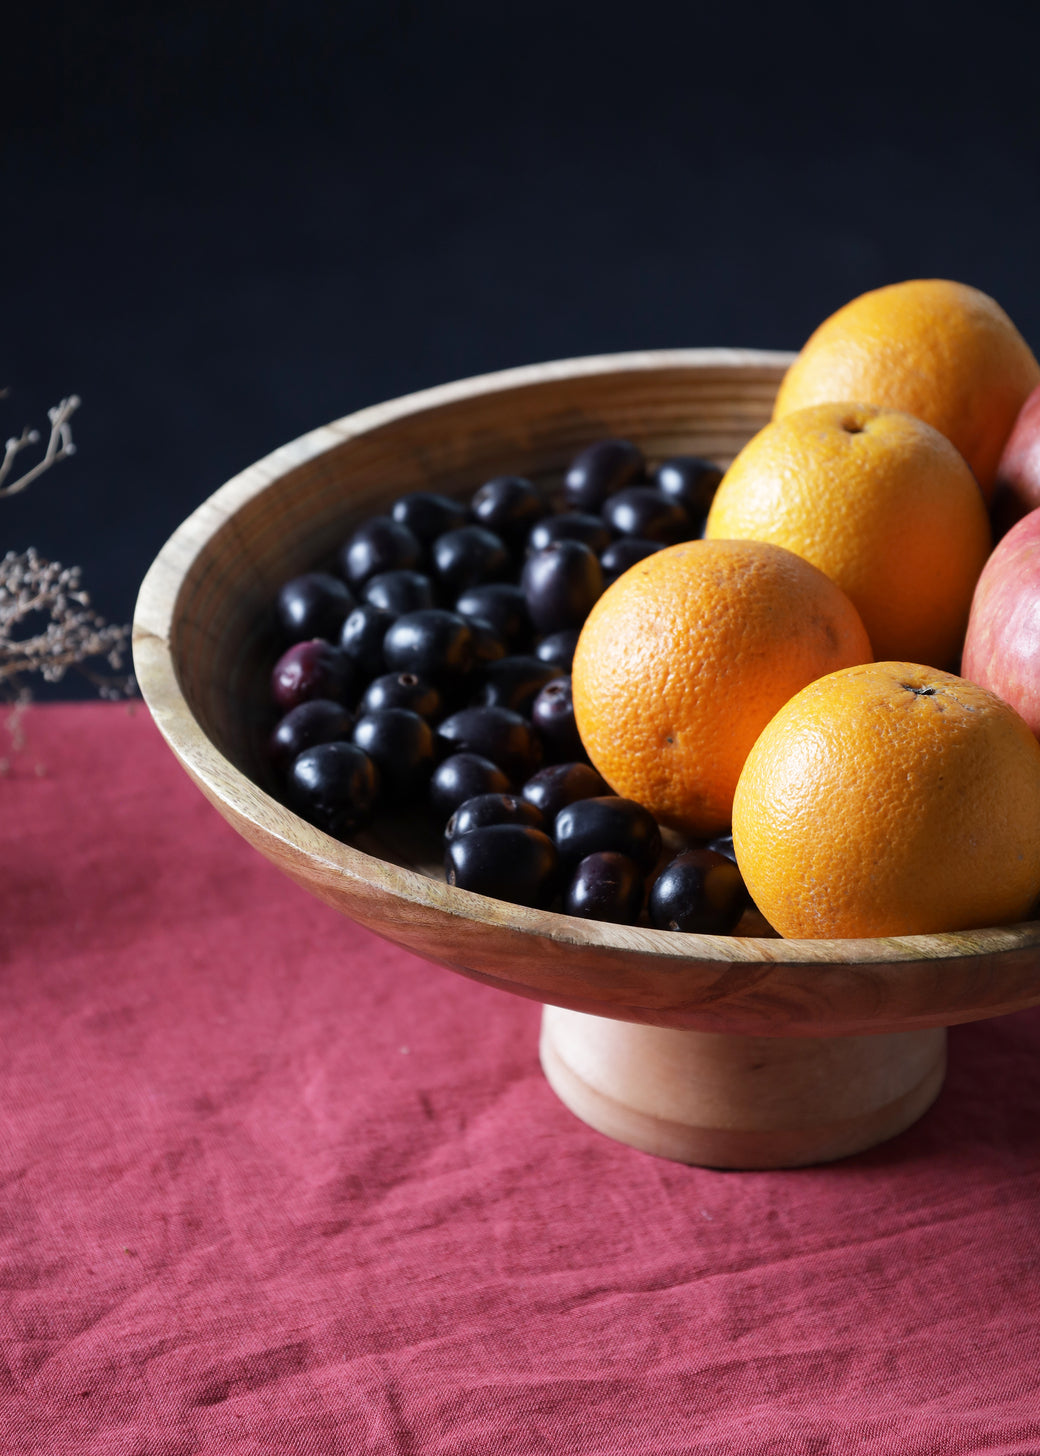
[227, 224]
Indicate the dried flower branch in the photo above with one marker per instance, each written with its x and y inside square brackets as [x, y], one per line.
[71, 633]
[59, 446]
[47, 624]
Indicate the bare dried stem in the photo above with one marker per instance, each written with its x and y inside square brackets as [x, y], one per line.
[59, 446]
[47, 624]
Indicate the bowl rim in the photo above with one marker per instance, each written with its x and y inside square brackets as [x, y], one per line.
[240, 798]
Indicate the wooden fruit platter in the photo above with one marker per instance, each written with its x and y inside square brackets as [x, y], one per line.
[730, 1051]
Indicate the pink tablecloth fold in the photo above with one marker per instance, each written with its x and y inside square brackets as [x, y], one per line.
[268, 1185]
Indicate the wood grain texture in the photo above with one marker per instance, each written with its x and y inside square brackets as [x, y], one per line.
[740, 1101]
[202, 653]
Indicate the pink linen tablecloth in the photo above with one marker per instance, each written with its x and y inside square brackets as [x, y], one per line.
[269, 1185]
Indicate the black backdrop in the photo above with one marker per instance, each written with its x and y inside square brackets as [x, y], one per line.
[227, 224]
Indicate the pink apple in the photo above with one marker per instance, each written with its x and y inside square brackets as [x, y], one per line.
[1017, 488]
[1002, 646]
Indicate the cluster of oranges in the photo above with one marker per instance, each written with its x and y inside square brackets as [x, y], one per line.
[794, 673]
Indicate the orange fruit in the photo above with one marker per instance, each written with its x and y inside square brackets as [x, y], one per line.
[685, 658]
[942, 351]
[879, 501]
[890, 799]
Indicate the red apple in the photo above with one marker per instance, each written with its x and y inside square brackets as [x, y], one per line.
[1002, 646]
[1017, 488]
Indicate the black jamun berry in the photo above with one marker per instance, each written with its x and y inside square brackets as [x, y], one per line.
[319, 720]
[699, 890]
[468, 555]
[643, 512]
[378, 544]
[561, 584]
[485, 809]
[401, 746]
[607, 822]
[512, 862]
[558, 647]
[499, 734]
[552, 715]
[313, 605]
[600, 470]
[503, 606]
[591, 530]
[513, 682]
[606, 886]
[553, 788]
[509, 505]
[362, 637]
[691, 481]
[431, 643]
[314, 669]
[334, 786]
[463, 776]
[399, 591]
[620, 555]
[401, 690]
[428, 515]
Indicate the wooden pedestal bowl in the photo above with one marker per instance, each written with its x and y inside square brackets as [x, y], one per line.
[736, 1051]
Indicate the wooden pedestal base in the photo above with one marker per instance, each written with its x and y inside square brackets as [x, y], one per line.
[740, 1101]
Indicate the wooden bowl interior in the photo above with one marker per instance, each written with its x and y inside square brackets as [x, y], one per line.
[222, 630]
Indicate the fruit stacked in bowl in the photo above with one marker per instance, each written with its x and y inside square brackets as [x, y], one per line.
[426, 671]
[572, 683]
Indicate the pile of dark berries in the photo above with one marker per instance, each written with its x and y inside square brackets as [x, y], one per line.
[428, 669]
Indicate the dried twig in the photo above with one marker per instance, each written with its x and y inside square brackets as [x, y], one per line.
[47, 624]
[59, 446]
